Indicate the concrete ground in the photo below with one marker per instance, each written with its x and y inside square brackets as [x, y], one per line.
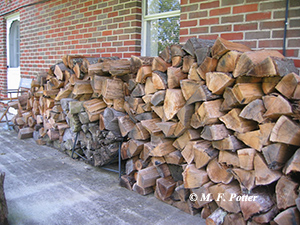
[44, 186]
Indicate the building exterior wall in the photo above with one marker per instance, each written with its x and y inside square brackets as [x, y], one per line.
[51, 29]
[256, 23]
[54, 28]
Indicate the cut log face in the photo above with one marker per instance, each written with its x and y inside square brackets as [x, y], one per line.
[263, 175]
[245, 178]
[209, 112]
[261, 203]
[276, 155]
[217, 217]
[188, 87]
[217, 173]
[159, 80]
[208, 65]
[293, 164]
[286, 131]
[203, 153]
[247, 92]
[175, 75]
[228, 62]
[174, 101]
[221, 46]
[246, 158]
[215, 132]
[225, 195]
[286, 192]
[218, 81]
[288, 85]
[254, 111]
[230, 143]
[256, 63]
[147, 177]
[288, 216]
[233, 121]
[228, 159]
[194, 178]
[230, 101]
[269, 84]
[276, 106]
[165, 187]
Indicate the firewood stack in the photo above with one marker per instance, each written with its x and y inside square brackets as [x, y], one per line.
[211, 127]
[71, 98]
[218, 121]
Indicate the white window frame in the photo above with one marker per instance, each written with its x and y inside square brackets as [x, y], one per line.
[146, 19]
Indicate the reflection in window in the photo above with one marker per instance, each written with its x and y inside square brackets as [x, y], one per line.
[161, 25]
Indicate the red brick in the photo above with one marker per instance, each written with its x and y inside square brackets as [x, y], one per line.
[189, 23]
[271, 24]
[247, 26]
[223, 28]
[245, 8]
[199, 30]
[294, 43]
[208, 36]
[297, 63]
[232, 36]
[258, 16]
[107, 32]
[221, 11]
[270, 43]
[183, 32]
[199, 14]
[113, 14]
[209, 5]
[209, 21]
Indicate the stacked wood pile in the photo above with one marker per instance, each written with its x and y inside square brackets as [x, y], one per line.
[211, 127]
[71, 98]
[213, 130]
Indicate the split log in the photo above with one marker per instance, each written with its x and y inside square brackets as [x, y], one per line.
[209, 112]
[222, 46]
[254, 111]
[269, 84]
[246, 158]
[208, 65]
[276, 106]
[163, 149]
[230, 101]
[225, 195]
[234, 219]
[159, 64]
[174, 101]
[261, 202]
[175, 75]
[218, 81]
[233, 121]
[276, 155]
[143, 73]
[202, 93]
[217, 217]
[215, 132]
[217, 173]
[263, 175]
[203, 153]
[247, 92]
[229, 143]
[127, 181]
[141, 190]
[288, 85]
[159, 80]
[286, 192]
[288, 216]
[165, 187]
[188, 87]
[112, 88]
[147, 177]
[25, 133]
[245, 178]
[194, 178]
[229, 159]
[293, 164]
[227, 62]
[286, 131]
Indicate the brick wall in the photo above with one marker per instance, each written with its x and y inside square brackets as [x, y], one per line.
[113, 28]
[89, 27]
[256, 23]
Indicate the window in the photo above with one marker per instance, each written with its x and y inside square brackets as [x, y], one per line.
[161, 25]
[14, 44]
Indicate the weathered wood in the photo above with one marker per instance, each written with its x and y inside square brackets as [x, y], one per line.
[202, 93]
[188, 61]
[276, 155]
[174, 101]
[209, 64]
[293, 164]
[143, 73]
[147, 177]
[256, 63]
[127, 181]
[246, 158]
[233, 121]
[203, 153]
[159, 80]
[269, 84]
[254, 111]
[142, 191]
[158, 98]
[125, 125]
[227, 62]
[229, 143]
[25, 133]
[225, 196]
[276, 106]
[230, 101]
[165, 187]
[261, 202]
[222, 46]
[112, 88]
[286, 131]
[229, 159]
[215, 132]
[188, 87]
[218, 81]
[175, 75]
[286, 192]
[217, 217]
[245, 178]
[288, 216]
[288, 85]
[264, 175]
[234, 219]
[247, 92]
[217, 173]
[159, 64]
[209, 112]
[194, 178]
[163, 149]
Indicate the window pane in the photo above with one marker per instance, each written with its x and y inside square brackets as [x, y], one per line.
[162, 33]
[159, 6]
